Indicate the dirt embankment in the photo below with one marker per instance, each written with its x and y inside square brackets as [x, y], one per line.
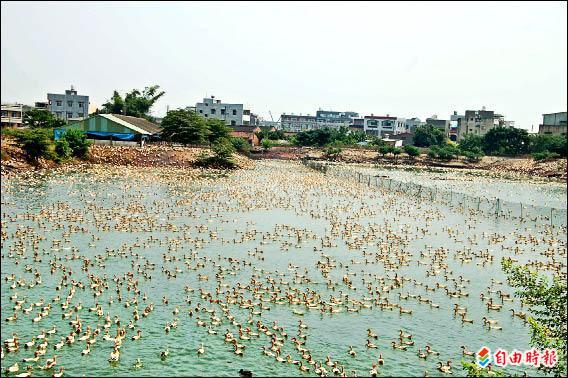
[154, 156]
[13, 158]
[513, 166]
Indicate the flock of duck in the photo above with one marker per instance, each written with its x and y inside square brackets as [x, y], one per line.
[257, 264]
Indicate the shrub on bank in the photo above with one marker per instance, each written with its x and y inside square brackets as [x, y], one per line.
[240, 144]
[545, 155]
[223, 155]
[411, 151]
[35, 143]
[77, 142]
[62, 149]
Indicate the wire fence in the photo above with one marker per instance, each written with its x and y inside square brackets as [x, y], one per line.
[494, 207]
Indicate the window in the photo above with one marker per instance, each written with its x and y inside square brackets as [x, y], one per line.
[58, 103]
[58, 114]
[222, 111]
[205, 115]
[69, 115]
[234, 111]
[4, 113]
[201, 111]
[80, 104]
[213, 111]
[69, 103]
[49, 102]
[233, 122]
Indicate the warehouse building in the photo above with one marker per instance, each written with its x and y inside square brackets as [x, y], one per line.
[109, 128]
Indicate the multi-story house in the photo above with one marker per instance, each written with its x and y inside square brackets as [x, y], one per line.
[297, 123]
[69, 106]
[442, 124]
[553, 123]
[232, 114]
[333, 119]
[479, 122]
[13, 115]
[384, 125]
[412, 124]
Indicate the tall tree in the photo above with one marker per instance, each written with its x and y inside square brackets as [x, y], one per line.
[428, 135]
[136, 103]
[115, 105]
[506, 141]
[184, 126]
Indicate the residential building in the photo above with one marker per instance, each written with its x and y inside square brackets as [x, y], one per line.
[69, 106]
[412, 124]
[249, 118]
[479, 122]
[41, 105]
[454, 126]
[297, 123]
[358, 124]
[553, 123]
[232, 114]
[13, 114]
[442, 124]
[381, 125]
[333, 119]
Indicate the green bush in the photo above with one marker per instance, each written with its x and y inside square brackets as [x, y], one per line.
[333, 151]
[471, 143]
[223, 158]
[545, 155]
[396, 151]
[411, 151]
[447, 152]
[62, 149]
[550, 143]
[266, 144]
[35, 143]
[385, 149]
[240, 144]
[77, 141]
[432, 153]
[473, 157]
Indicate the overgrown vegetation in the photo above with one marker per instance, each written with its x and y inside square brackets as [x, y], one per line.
[240, 144]
[36, 118]
[36, 144]
[327, 136]
[411, 151]
[333, 151]
[428, 135]
[546, 299]
[223, 155]
[77, 142]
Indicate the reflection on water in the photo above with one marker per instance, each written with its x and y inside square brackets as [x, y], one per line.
[258, 245]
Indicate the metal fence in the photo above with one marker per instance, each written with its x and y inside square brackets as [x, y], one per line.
[461, 202]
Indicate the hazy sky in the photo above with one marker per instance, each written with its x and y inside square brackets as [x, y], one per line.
[404, 59]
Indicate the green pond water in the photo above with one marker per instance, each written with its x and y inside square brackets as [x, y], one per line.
[243, 230]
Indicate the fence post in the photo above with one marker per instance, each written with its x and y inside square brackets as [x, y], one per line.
[497, 207]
